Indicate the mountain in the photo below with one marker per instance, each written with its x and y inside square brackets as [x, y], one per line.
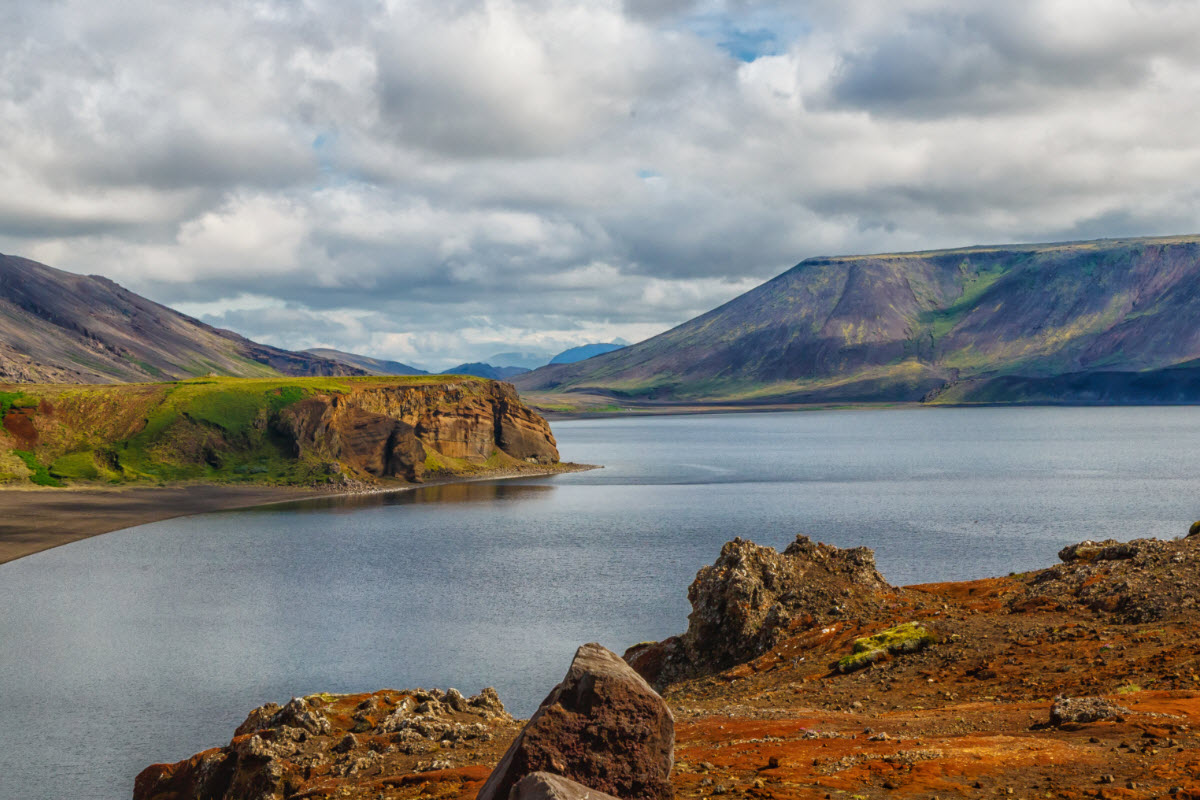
[584, 351]
[371, 366]
[526, 359]
[482, 370]
[898, 327]
[59, 327]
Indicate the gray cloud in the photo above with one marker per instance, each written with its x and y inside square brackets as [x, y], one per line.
[436, 182]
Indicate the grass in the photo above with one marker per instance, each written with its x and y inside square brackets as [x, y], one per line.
[11, 400]
[40, 474]
[907, 638]
[211, 429]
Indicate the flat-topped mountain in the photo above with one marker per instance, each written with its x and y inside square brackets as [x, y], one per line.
[59, 327]
[898, 327]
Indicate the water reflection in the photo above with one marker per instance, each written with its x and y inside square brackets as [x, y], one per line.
[470, 492]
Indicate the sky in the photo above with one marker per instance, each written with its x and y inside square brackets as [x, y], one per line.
[433, 181]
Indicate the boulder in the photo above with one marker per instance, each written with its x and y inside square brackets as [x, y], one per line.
[547, 786]
[1080, 710]
[602, 726]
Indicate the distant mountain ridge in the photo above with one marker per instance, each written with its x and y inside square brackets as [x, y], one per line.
[898, 327]
[369, 365]
[584, 351]
[482, 370]
[59, 327]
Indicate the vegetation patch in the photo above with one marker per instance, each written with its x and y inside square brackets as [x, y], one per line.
[907, 638]
[40, 474]
[11, 400]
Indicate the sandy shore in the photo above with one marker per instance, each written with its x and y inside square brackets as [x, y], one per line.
[34, 519]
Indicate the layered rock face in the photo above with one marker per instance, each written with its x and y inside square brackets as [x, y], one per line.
[386, 431]
[602, 727]
[752, 595]
[465, 420]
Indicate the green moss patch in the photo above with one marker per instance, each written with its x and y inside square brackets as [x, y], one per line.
[40, 474]
[907, 638]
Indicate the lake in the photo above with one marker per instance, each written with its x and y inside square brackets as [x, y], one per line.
[153, 643]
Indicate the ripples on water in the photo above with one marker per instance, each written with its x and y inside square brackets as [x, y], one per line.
[152, 643]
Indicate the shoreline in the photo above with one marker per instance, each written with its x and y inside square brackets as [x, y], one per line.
[33, 520]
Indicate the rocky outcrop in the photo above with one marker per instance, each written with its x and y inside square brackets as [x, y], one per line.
[464, 419]
[1143, 580]
[601, 734]
[602, 726]
[744, 603]
[338, 431]
[359, 743]
[388, 431]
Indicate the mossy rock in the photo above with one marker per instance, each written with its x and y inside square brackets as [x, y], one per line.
[907, 638]
[1195, 529]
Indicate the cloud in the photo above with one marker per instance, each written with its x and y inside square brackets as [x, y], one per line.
[439, 181]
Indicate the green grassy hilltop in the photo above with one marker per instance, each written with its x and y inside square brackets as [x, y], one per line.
[212, 429]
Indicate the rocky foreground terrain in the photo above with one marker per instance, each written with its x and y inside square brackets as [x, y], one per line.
[803, 674]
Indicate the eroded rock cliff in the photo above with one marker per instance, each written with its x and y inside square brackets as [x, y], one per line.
[393, 431]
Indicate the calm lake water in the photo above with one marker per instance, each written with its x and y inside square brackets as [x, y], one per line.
[153, 643]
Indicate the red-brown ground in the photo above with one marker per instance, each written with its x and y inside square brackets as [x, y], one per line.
[966, 717]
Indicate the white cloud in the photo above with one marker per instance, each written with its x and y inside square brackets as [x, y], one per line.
[438, 181]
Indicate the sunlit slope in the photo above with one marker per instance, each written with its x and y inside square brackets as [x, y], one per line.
[301, 430]
[900, 326]
[59, 327]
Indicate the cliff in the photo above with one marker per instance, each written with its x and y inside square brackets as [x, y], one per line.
[299, 430]
[900, 326]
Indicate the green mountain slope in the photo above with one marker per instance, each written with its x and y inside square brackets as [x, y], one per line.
[902, 326]
[59, 327]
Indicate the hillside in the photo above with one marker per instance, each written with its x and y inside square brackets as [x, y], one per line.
[483, 370]
[58, 327]
[272, 430]
[898, 327]
[584, 351]
[369, 365]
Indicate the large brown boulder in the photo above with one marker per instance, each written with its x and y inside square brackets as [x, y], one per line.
[745, 603]
[602, 726]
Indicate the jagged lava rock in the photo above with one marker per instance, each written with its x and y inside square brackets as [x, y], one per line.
[744, 603]
[602, 726]
[548, 786]
[1143, 580]
[352, 742]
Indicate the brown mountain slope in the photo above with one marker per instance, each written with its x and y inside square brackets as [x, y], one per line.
[372, 366]
[897, 327]
[58, 327]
